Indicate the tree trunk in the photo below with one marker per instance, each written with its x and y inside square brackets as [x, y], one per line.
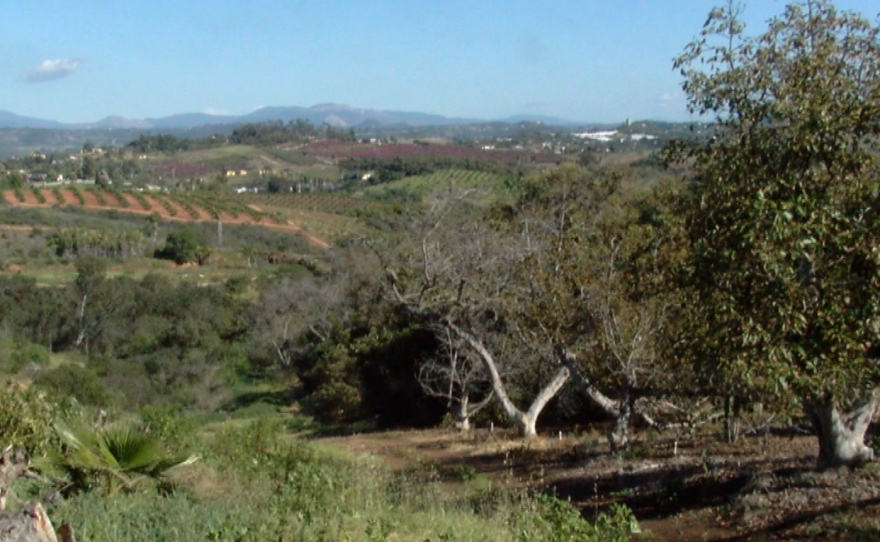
[618, 435]
[842, 435]
[462, 416]
[731, 419]
[548, 392]
[525, 422]
[620, 410]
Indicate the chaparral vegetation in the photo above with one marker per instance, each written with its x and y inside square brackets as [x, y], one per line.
[290, 332]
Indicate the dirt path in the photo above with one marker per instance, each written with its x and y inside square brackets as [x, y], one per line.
[93, 203]
[758, 489]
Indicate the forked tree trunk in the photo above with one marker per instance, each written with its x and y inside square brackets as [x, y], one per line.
[842, 435]
[465, 410]
[525, 422]
[620, 410]
[618, 435]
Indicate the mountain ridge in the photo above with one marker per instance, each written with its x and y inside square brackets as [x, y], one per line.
[336, 115]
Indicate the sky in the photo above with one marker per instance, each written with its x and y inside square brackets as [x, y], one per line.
[583, 60]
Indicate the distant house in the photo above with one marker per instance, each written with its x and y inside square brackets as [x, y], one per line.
[35, 177]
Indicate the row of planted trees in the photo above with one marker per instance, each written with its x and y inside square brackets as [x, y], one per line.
[754, 280]
[75, 242]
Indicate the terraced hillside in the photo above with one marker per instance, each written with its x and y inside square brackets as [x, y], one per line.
[183, 207]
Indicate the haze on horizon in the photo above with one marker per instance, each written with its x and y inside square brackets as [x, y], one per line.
[582, 60]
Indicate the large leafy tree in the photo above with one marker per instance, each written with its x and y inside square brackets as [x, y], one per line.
[785, 228]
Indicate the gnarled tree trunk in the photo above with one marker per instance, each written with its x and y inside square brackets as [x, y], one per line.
[525, 422]
[618, 435]
[842, 435]
[620, 410]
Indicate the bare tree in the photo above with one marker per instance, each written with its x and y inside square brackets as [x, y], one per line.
[456, 376]
[295, 310]
[454, 268]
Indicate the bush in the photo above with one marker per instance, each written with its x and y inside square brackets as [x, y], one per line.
[559, 521]
[184, 246]
[20, 356]
[26, 419]
[74, 381]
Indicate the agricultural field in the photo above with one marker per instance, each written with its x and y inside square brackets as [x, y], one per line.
[328, 216]
[203, 162]
[491, 185]
[337, 150]
[319, 202]
[181, 207]
[43, 244]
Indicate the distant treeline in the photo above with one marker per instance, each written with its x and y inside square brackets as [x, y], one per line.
[384, 170]
[260, 134]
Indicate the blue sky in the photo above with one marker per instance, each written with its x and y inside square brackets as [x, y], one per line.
[588, 60]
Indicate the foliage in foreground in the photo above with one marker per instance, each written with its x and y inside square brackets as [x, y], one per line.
[116, 457]
[258, 485]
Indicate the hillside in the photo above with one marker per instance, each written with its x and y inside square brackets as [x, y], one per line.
[180, 208]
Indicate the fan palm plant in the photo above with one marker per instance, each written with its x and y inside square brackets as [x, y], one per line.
[119, 457]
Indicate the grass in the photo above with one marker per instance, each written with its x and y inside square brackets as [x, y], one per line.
[324, 225]
[490, 186]
[62, 274]
[256, 483]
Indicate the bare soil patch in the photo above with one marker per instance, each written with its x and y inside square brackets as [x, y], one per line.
[762, 488]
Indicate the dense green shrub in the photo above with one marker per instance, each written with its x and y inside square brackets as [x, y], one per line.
[26, 419]
[184, 246]
[74, 381]
[18, 356]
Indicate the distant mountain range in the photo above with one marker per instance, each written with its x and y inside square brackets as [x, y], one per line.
[337, 115]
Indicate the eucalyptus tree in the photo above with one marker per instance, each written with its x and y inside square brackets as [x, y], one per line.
[785, 229]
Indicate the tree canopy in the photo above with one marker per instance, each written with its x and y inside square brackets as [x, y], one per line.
[784, 226]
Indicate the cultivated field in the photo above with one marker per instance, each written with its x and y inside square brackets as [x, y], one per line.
[174, 207]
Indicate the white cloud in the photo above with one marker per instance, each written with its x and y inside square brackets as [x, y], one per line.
[51, 69]
[667, 98]
[216, 112]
